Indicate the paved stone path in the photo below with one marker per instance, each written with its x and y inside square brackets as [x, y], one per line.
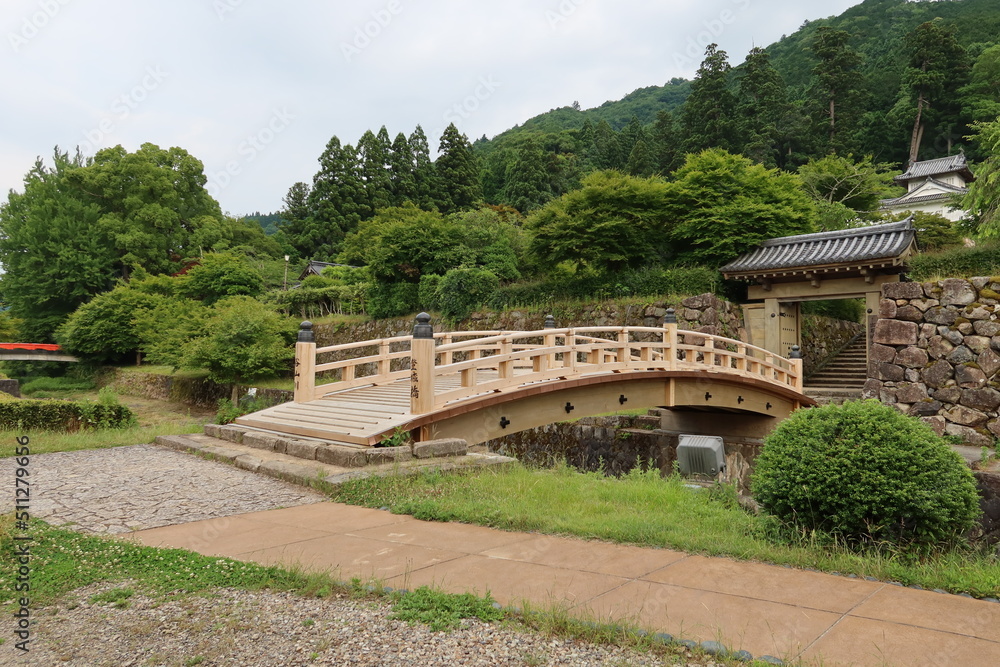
[122, 489]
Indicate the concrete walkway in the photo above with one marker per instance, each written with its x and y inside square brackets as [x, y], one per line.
[763, 609]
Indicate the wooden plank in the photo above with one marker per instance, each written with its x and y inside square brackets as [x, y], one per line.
[294, 429]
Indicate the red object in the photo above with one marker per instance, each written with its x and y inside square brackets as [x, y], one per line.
[50, 347]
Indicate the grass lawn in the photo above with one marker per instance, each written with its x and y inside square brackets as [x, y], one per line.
[644, 509]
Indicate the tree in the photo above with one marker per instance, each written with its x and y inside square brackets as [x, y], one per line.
[403, 182]
[337, 201]
[837, 85]
[665, 145]
[607, 149]
[151, 202]
[722, 205]
[103, 330]
[456, 168]
[55, 257]
[983, 198]
[244, 341]
[762, 101]
[938, 67]
[425, 177]
[402, 244]
[297, 221]
[221, 275]
[612, 222]
[373, 168]
[934, 231]
[858, 185]
[526, 180]
[708, 117]
[982, 95]
[640, 160]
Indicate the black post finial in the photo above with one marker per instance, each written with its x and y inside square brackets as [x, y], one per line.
[670, 317]
[423, 328]
[550, 322]
[306, 333]
[796, 352]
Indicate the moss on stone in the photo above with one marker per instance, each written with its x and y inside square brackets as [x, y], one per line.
[987, 293]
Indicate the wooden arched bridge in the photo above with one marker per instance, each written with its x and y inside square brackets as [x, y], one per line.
[480, 385]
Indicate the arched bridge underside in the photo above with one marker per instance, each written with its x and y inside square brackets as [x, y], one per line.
[490, 384]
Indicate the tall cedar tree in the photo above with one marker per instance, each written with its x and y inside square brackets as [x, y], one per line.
[607, 149]
[425, 176]
[338, 200]
[526, 183]
[837, 85]
[763, 100]
[373, 160]
[708, 118]
[297, 221]
[666, 148]
[456, 168]
[938, 68]
[403, 182]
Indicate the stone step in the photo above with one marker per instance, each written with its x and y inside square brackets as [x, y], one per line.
[292, 467]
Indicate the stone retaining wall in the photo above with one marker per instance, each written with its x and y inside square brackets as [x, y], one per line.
[936, 355]
[12, 387]
[193, 391]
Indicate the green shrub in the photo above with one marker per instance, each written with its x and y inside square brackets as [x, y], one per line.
[47, 384]
[850, 310]
[866, 473]
[30, 415]
[462, 290]
[427, 292]
[961, 262]
[392, 299]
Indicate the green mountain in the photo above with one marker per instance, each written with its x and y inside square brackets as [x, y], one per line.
[878, 28]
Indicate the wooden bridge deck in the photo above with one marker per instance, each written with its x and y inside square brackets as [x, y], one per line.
[430, 382]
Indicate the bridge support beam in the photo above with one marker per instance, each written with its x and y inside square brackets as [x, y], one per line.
[305, 364]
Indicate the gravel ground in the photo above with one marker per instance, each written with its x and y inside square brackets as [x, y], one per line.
[267, 629]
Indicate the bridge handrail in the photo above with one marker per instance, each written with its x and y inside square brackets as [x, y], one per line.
[519, 358]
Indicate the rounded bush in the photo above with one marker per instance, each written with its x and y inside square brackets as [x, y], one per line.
[866, 473]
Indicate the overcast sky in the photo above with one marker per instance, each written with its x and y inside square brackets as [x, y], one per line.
[255, 89]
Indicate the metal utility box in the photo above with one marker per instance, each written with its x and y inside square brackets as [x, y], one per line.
[701, 455]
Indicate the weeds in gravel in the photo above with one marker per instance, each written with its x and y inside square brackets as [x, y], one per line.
[443, 611]
[116, 597]
[645, 509]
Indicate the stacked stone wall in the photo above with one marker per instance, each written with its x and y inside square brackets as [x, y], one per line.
[823, 338]
[936, 355]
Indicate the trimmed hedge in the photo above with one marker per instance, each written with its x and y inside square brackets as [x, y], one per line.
[962, 262]
[35, 415]
[866, 473]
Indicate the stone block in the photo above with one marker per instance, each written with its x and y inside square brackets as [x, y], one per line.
[960, 414]
[947, 394]
[903, 291]
[909, 314]
[231, 433]
[961, 355]
[969, 377]
[887, 309]
[995, 343]
[377, 455]
[887, 372]
[923, 304]
[964, 328]
[937, 424]
[989, 362]
[882, 353]
[979, 282]
[977, 314]
[939, 347]
[958, 292]
[911, 393]
[927, 330]
[941, 315]
[872, 389]
[247, 462]
[977, 344]
[286, 470]
[912, 375]
[927, 408]
[969, 436]
[994, 427]
[937, 374]
[985, 399]
[260, 441]
[953, 337]
[342, 455]
[444, 447]
[213, 430]
[302, 449]
[699, 302]
[912, 357]
[988, 328]
[895, 332]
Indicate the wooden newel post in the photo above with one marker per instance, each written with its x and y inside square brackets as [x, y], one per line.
[795, 358]
[305, 364]
[670, 338]
[422, 366]
[543, 363]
